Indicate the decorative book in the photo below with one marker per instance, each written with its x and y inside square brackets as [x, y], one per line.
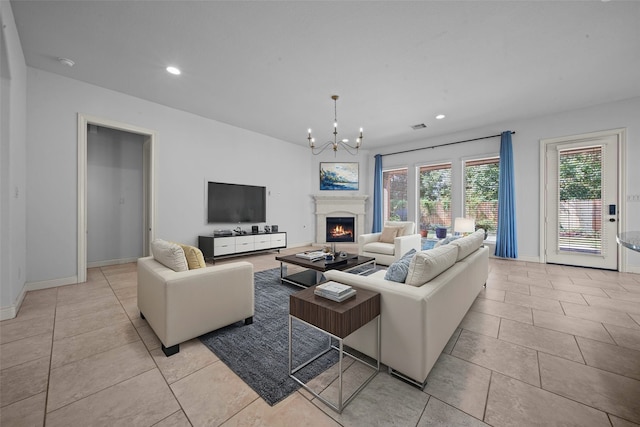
[311, 256]
[334, 288]
[334, 291]
[333, 297]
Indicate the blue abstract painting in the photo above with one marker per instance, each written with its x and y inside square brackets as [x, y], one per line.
[339, 176]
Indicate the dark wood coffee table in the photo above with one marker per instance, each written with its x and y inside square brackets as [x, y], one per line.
[338, 320]
[314, 269]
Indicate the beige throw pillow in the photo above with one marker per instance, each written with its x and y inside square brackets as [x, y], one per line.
[169, 254]
[194, 256]
[428, 264]
[388, 234]
[404, 228]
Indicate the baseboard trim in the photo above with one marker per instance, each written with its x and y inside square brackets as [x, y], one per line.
[7, 313]
[520, 258]
[10, 312]
[633, 270]
[300, 245]
[535, 259]
[46, 284]
[109, 262]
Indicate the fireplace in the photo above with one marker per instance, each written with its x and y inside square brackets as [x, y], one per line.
[339, 206]
[340, 229]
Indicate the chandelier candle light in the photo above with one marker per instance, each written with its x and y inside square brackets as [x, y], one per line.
[344, 143]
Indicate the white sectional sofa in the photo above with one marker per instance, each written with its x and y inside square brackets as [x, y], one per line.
[417, 320]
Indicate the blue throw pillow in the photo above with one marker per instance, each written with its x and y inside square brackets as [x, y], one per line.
[446, 241]
[397, 272]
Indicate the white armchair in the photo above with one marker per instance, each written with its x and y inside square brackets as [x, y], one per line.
[386, 252]
[180, 305]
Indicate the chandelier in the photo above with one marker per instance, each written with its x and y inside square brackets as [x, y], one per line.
[344, 143]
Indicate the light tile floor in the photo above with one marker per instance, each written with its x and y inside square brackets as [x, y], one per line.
[542, 345]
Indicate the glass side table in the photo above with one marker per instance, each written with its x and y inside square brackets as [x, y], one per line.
[630, 239]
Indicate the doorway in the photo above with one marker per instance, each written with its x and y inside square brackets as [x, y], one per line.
[581, 200]
[148, 214]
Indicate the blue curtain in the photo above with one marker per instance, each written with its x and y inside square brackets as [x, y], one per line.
[506, 239]
[377, 195]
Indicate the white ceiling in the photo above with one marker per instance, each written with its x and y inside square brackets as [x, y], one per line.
[271, 66]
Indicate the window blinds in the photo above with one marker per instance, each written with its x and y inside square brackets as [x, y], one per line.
[580, 200]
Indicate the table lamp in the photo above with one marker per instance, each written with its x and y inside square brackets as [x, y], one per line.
[464, 226]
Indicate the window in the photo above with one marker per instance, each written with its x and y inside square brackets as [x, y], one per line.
[580, 208]
[435, 196]
[481, 192]
[394, 184]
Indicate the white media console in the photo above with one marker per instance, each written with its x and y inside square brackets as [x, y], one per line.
[213, 247]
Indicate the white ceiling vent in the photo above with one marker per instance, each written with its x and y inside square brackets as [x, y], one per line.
[419, 126]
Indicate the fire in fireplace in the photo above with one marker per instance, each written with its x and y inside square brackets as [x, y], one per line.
[340, 229]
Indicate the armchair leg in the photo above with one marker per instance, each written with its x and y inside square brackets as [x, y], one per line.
[170, 351]
[248, 320]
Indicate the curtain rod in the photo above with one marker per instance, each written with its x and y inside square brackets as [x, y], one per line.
[448, 143]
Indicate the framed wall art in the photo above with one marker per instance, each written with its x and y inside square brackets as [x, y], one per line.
[339, 176]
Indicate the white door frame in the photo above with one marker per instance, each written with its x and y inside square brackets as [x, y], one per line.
[621, 137]
[148, 184]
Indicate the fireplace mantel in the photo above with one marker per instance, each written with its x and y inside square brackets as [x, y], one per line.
[338, 205]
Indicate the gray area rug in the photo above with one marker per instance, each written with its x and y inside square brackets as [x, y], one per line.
[258, 353]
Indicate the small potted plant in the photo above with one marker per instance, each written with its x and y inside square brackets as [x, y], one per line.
[486, 225]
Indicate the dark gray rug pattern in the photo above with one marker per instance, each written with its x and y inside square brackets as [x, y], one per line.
[258, 353]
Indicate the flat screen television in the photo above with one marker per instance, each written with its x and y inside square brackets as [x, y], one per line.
[235, 203]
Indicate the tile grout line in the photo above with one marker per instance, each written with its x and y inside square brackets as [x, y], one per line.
[583, 403]
[486, 400]
[53, 332]
[51, 369]
[429, 397]
[150, 355]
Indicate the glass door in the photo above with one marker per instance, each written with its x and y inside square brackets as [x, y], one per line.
[581, 198]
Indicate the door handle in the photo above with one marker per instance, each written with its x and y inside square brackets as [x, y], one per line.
[612, 220]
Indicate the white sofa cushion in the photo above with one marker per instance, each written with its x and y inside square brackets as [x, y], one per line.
[397, 272]
[405, 227]
[468, 244]
[426, 265]
[169, 254]
[379, 248]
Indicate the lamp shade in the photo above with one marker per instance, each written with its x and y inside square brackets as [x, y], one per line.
[464, 225]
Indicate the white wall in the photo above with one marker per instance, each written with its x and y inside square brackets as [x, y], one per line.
[13, 106]
[526, 151]
[189, 151]
[362, 158]
[115, 196]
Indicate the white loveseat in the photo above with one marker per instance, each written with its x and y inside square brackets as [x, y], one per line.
[418, 321]
[181, 305]
[387, 252]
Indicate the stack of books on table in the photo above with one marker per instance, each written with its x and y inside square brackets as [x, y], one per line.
[335, 291]
[311, 256]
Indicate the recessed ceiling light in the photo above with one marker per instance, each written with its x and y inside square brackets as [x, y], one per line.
[174, 70]
[440, 116]
[66, 61]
